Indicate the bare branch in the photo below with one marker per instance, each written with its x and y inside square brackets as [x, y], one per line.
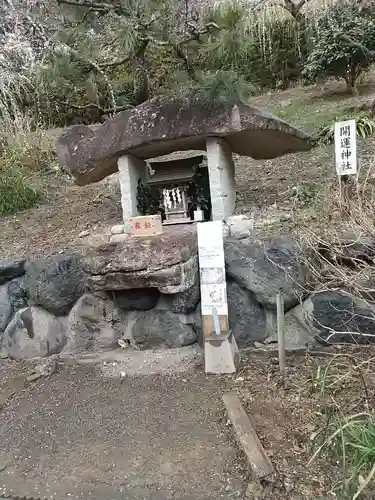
[370, 54]
[115, 64]
[97, 7]
[101, 7]
[188, 66]
[103, 111]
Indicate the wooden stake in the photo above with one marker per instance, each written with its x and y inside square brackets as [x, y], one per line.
[280, 330]
[259, 463]
[345, 193]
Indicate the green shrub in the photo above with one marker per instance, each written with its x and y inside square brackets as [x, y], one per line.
[326, 135]
[330, 55]
[16, 192]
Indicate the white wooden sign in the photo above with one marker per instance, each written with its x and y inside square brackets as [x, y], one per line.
[346, 147]
[212, 268]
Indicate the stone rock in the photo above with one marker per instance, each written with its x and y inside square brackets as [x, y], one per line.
[96, 241]
[118, 238]
[158, 328]
[349, 250]
[297, 337]
[17, 294]
[258, 345]
[6, 309]
[240, 226]
[157, 128]
[247, 318]
[226, 231]
[10, 269]
[55, 282]
[254, 491]
[32, 333]
[187, 301]
[119, 229]
[168, 262]
[140, 299]
[265, 269]
[184, 274]
[235, 218]
[334, 317]
[93, 324]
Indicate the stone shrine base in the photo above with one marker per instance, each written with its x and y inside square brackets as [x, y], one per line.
[145, 294]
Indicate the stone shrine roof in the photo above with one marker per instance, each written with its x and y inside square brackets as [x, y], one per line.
[174, 170]
[154, 129]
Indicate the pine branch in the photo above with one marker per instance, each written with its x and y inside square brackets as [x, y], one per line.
[101, 7]
[97, 7]
[177, 46]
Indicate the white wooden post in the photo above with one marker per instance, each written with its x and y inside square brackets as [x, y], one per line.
[220, 347]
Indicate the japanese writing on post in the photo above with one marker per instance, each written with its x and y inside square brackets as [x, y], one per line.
[212, 268]
[145, 225]
[346, 147]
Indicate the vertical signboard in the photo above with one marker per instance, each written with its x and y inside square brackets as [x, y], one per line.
[212, 275]
[346, 147]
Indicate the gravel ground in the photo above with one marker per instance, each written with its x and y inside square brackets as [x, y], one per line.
[80, 434]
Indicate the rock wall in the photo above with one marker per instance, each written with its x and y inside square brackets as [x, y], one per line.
[150, 297]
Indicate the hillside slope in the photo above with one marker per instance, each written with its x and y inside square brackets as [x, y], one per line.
[265, 188]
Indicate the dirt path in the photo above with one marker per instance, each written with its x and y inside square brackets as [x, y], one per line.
[84, 435]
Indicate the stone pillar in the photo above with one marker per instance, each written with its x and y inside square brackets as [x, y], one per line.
[130, 170]
[221, 175]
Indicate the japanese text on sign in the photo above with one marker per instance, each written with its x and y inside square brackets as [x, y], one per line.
[212, 268]
[145, 225]
[346, 147]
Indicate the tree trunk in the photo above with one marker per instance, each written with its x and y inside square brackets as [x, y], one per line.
[141, 83]
[351, 80]
[351, 87]
[141, 80]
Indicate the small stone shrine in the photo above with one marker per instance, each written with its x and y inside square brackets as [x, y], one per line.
[174, 178]
[154, 129]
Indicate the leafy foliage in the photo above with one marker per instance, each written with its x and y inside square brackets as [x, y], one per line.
[329, 55]
[148, 199]
[231, 48]
[326, 135]
[305, 194]
[62, 62]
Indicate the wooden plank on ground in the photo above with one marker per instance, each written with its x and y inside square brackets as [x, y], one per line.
[259, 462]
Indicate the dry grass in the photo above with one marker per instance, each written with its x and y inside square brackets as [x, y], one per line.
[294, 421]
